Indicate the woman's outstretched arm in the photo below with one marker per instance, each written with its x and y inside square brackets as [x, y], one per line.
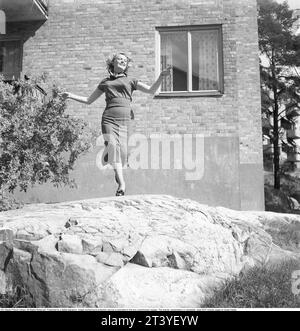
[86, 100]
[152, 89]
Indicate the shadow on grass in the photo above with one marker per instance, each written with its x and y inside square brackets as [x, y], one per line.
[259, 287]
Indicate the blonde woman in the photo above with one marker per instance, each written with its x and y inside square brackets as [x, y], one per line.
[118, 89]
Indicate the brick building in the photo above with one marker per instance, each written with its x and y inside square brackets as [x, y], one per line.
[214, 89]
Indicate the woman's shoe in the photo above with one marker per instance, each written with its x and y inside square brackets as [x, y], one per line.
[120, 193]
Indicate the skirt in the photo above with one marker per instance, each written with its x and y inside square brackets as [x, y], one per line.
[116, 128]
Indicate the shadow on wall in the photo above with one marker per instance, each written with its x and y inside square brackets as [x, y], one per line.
[218, 186]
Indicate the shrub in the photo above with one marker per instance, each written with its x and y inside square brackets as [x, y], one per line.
[39, 142]
[276, 200]
[8, 202]
[260, 287]
[279, 200]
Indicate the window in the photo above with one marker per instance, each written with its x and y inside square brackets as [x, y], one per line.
[10, 59]
[195, 54]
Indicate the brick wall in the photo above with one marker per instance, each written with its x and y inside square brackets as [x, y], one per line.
[80, 34]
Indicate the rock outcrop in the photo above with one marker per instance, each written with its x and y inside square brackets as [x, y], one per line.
[136, 251]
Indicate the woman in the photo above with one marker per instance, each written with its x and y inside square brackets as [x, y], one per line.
[118, 89]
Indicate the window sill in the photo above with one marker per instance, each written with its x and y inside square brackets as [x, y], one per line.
[213, 94]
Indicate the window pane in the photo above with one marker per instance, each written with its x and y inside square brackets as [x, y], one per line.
[174, 52]
[205, 60]
[10, 54]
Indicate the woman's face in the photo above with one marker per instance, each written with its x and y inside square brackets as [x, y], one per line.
[120, 63]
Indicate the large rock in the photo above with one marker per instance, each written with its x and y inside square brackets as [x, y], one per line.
[136, 251]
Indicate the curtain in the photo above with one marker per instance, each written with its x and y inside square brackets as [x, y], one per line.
[167, 60]
[205, 60]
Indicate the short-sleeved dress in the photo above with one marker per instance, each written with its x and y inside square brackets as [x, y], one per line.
[116, 119]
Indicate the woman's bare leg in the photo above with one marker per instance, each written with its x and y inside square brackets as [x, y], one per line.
[118, 168]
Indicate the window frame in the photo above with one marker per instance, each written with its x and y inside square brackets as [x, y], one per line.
[20, 60]
[189, 29]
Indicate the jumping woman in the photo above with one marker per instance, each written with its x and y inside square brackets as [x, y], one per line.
[118, 90]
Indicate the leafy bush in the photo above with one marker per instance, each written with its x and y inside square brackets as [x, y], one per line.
[260, 287]
[276, 200]
[8, 202]
[279, 200]
[39, 142]
[290, 184]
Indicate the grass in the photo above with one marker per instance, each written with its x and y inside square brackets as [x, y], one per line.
[260, 287]
[18, 298]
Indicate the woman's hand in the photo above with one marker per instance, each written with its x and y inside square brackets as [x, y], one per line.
[65, 95]
[166, 72]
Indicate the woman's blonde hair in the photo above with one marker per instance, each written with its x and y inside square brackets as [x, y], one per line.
[110, 63]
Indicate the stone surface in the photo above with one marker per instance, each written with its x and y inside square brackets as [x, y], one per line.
[5, 253]
[70, 244]
[136, 251]
[6, 235]
[2, 283]
[110, 259]
[139, 287]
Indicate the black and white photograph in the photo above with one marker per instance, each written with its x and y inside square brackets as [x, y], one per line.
[149, 158]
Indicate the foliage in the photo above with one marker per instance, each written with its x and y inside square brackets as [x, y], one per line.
[17, 298]
[8, 202]
[260, 287]
[280, 81]
[39, 142]
[279, 200]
